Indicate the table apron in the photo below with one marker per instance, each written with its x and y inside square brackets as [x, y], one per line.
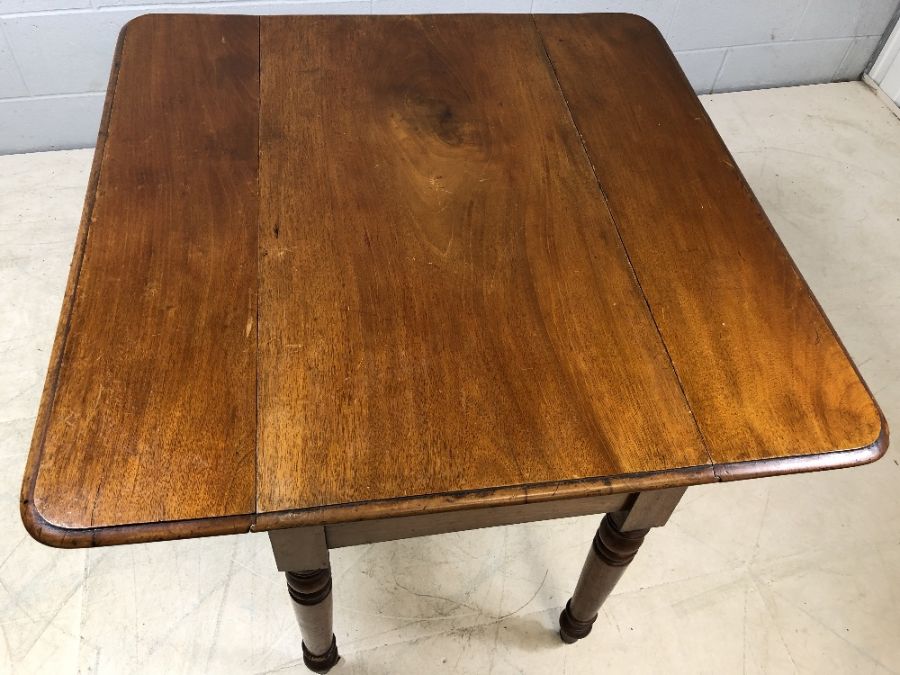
[300, 547]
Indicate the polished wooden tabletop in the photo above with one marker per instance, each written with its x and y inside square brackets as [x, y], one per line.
[343, 268]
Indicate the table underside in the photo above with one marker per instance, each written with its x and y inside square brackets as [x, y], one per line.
[345, 268]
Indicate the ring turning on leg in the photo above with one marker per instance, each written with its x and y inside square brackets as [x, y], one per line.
[610, 554]
[311, 593]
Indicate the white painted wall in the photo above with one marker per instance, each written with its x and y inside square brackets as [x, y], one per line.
[55, 54]
[886, 69]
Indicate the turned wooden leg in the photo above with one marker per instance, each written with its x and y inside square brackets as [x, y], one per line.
[302, 554]
[311, 593]
[610, 554]
[618, 539]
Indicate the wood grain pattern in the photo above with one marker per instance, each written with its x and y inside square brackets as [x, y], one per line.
[152, 413]
[33, 521]
[432, 211]
[444, 302]
[765, 374]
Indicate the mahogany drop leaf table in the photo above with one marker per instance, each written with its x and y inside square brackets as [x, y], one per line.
[354, 279]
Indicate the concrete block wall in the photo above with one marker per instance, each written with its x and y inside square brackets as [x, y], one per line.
[55, 54]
